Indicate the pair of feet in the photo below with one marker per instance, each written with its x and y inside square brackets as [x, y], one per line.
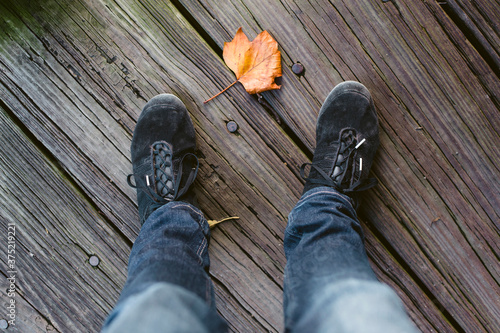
[165, 166]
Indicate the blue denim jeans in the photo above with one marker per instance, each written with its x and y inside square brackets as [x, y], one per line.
[329, 284]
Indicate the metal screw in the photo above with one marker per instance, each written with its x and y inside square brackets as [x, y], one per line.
[4, 324]
[298, 68]
[232, 126]
[94, 261]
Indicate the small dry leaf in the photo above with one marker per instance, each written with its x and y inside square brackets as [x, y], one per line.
[256, 63]
[213, 223]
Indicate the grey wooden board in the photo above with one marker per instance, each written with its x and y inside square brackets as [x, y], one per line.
[56, 231]
[61, 86]
[27, 318]
[438, 102]
[77, 76]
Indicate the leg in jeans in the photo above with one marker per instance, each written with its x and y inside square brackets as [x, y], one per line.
[168, 287]
[329, 284]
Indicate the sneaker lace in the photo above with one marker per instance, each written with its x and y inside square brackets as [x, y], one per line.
[345, 177]
[165, 186]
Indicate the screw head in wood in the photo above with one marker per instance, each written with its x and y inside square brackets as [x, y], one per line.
[298, 68]
[94, 261]
[232, 126]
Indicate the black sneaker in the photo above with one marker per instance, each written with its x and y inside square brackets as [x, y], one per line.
[346, 141]
[163, 157]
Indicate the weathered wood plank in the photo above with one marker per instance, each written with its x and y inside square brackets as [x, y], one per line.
[438, 107]
[56, 233]
[60, 55]
[102, 69]
[468, 56]
[40, 62]
[28, 319]
[61, 83]
[479, 21]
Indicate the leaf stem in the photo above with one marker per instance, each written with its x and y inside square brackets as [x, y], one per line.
[232, 84]
[212, 223]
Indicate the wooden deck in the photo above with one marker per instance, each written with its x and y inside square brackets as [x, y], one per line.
[74, 76]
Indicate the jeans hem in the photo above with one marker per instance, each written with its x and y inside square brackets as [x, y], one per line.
[326, 190]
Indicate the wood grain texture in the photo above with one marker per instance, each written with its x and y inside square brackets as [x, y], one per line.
[438, 205]
[56, 233]
[78, 86]
[30, 320]
[478, 19]
[76, 76]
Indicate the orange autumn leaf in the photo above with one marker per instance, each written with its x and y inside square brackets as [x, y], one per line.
[256, 63]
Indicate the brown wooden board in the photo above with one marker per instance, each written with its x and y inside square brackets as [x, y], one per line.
[77, 75]
[438, 204]
[479, 20]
